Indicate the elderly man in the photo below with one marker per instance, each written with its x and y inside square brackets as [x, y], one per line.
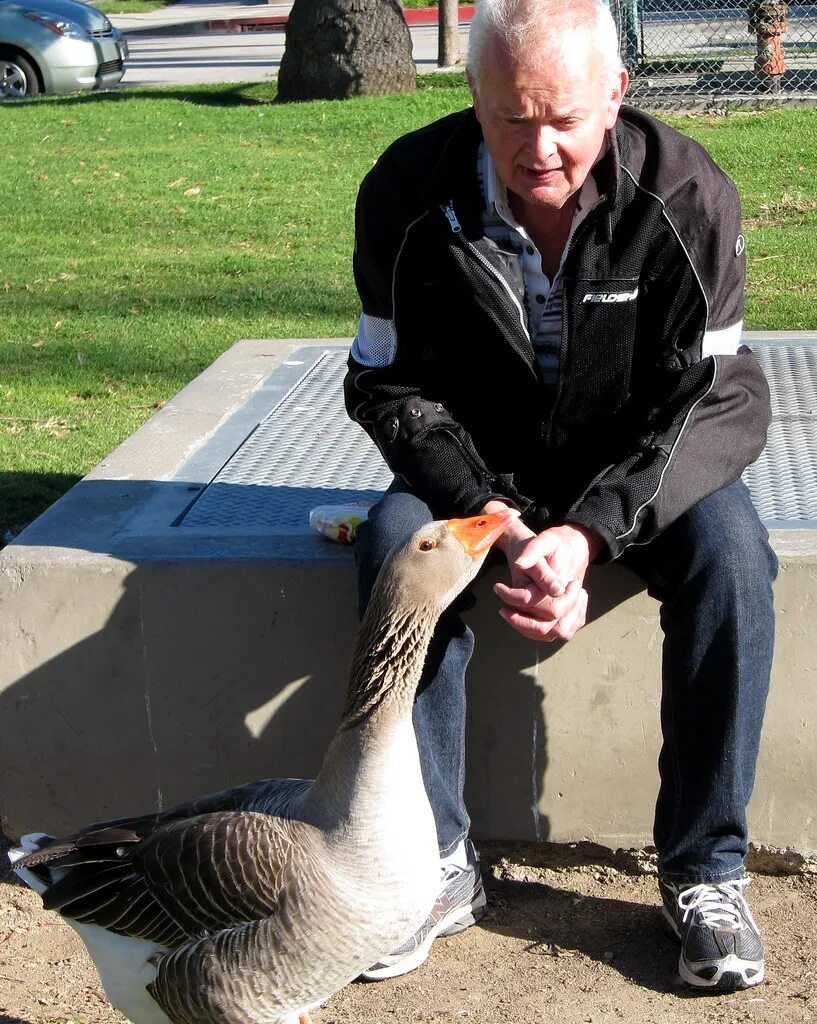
[552, 290]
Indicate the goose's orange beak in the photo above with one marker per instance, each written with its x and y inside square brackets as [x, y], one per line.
[478, 533]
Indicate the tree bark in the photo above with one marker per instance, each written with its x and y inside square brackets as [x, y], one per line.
[336, 49]
[448, 52]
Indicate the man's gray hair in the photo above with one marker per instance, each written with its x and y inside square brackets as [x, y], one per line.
[520, 24]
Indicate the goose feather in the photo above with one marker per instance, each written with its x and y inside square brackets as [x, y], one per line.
[255, 904]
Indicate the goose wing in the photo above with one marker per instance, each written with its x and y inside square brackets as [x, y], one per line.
[183, 879]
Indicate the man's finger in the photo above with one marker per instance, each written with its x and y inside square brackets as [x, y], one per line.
[525, 598]
[532, 561]
[564, 605]
[568, 626]
[526, 625]
[544, 577]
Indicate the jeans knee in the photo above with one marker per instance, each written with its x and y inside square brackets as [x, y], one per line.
[718, 546]
[734, 543]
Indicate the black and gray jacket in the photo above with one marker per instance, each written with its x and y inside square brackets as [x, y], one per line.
[656, 407]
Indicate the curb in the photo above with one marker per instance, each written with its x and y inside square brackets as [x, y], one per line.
[430, 15]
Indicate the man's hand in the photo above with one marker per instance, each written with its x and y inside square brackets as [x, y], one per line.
[546, 599]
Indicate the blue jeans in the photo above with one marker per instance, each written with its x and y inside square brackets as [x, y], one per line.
[712, 570]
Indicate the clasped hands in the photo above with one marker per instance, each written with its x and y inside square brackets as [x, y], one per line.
[546, 599]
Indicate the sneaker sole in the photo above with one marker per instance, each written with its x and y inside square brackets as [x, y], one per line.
[732, 973]
[455, 922]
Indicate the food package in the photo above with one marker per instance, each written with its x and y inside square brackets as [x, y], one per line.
[339, 522]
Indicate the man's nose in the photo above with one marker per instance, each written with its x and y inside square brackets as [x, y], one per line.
[542, 143]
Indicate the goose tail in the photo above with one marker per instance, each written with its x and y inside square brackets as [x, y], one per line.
[30, 844]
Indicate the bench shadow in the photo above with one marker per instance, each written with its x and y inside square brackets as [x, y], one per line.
[625, 936]
[239, 95]
[129, 702]
[24, 496]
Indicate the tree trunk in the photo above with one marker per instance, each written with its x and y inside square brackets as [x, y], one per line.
[448, 51]
[336, 49]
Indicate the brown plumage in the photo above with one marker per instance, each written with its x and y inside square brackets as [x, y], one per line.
[257, 903]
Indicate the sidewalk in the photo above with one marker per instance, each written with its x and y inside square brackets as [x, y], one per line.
[189, 12]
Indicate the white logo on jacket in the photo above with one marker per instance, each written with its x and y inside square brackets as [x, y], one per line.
[611, 296]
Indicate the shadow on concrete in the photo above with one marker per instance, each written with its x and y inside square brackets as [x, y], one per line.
[794, 80]
[508, 690]
[156, 679]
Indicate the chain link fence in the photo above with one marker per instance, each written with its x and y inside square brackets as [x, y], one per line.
[681, 53]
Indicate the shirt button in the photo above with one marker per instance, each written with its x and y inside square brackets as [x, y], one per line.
[540, 298]
[529, 250]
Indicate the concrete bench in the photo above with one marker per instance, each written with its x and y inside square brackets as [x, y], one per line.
[171, 626]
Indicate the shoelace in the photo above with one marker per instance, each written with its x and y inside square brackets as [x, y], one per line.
[719, 905]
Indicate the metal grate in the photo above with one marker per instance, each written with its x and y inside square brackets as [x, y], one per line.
[783, 481]
[679, 51]
[306, 452]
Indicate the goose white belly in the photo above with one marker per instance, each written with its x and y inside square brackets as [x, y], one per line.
[123, 964]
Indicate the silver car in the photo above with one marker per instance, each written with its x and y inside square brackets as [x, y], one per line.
[49, 46]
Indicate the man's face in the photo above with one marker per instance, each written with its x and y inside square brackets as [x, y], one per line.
[544, 120]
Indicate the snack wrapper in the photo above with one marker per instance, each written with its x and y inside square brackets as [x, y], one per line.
[339, 522]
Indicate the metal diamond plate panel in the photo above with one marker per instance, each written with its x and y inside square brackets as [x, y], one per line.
[306, 452]
[792, 374]
[783, 481]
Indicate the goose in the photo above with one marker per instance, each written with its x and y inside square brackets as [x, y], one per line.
[256, 904]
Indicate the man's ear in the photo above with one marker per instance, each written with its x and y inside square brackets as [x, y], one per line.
[472, 85]
[621, 83]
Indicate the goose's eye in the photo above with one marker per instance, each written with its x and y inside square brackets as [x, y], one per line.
[428, 545]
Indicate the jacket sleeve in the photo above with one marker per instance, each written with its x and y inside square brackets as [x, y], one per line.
[389, 387]
[714, 410]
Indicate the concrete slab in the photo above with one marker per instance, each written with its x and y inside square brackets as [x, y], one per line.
[147, 662]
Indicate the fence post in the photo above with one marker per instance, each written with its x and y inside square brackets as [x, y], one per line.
[767, 19]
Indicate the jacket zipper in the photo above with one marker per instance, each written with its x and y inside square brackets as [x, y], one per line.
[456, 229]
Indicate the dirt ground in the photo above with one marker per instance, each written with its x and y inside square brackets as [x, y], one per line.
[570, 937]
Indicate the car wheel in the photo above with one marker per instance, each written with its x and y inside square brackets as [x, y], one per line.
[17, 77]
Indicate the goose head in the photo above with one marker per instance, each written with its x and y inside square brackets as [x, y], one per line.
[416, 583]
[439, 560]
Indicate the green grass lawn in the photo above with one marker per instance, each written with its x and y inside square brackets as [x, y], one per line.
[145, 232]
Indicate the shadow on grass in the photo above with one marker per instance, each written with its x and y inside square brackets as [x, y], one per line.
[24, 496]
[238, 95]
